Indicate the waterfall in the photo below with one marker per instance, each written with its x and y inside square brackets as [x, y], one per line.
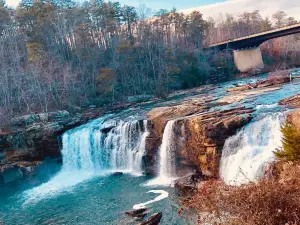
[167, 168]
[121, 149]
[88, 151]
[125, 146]
[246, 154]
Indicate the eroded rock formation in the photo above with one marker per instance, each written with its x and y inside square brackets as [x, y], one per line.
[294, 118]
[293, 102]
[275, 79]
[33, 137]
[200, 134]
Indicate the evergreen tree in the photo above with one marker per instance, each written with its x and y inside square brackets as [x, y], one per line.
[290, 142]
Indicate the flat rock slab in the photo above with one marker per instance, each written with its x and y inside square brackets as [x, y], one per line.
[237, 97]
[293, 101]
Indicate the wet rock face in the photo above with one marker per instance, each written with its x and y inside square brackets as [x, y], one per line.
[205, 136]
[33, 137]
[293, 102]
[153, 220]
[158, 118]
[274, 79]
[138, 213]
[294, 118]
[200, 136]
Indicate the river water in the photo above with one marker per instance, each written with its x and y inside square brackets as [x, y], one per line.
[83, 190]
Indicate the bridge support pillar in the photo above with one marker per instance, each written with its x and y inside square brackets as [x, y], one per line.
[248, 60]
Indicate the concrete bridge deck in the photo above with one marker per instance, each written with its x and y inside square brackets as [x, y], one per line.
[256, 39]
[247, 54]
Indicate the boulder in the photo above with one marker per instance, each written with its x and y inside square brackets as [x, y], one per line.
[138, 213]
[293, 102]
[189, 182]
[294, 118]
[153, 220]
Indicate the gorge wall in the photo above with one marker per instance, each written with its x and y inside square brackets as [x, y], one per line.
[200, 136]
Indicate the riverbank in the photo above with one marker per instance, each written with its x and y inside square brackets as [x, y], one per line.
[151, 145]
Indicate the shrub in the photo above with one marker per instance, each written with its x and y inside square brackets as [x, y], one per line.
[290, 142]
[264, 203]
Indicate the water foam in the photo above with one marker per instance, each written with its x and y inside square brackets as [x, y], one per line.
[88, 152]
[163, 195]
[246, 154]
[167, 169]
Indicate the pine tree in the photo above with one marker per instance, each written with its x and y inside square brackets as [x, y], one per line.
[290, 143]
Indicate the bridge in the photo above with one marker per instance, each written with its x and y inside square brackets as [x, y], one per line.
[247, 54]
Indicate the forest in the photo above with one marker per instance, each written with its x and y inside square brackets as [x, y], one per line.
[59, 54]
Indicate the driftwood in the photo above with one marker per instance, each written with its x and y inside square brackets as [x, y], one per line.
[153, 220]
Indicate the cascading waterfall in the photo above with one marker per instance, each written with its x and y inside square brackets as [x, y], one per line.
[88, 151]
[121, 149]
[246, 154]
[167, 168]
[125, 145]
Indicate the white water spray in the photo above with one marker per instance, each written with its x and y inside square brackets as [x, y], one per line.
[246, 154]
[167, 168]
[163, 195]
[89, 152]
[127, 145]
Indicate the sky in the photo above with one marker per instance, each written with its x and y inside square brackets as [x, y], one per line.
[215, 7]
[155, 4]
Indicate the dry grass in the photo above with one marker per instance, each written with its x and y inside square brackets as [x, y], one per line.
[265, 203]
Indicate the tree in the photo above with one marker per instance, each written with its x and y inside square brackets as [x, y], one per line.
[197, 25]
[290, 142]
[280, 19]
[129, 17]
[4, 16]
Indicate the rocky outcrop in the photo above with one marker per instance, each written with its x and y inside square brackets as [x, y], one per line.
[137, 213]
[200, 134]
[237, 97]
[294, 118]
[272, 80]
[189, 182]
[33, 137]
[153, 220]
[158, 117]
[205, 135]
[293, 102]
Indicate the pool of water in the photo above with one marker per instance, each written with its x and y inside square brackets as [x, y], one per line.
[98, 200]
